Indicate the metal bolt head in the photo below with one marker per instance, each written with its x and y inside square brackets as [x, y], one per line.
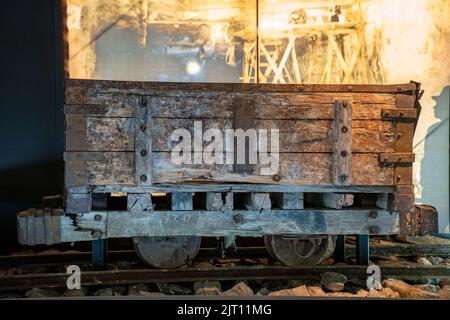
[143, 153]
[97, 217]
[96, 234]
[143, 177]
[373, 214]
[143, 127]
[343, 153]
[238, 218]
[374, 229]
[344, 129]
[276, 178]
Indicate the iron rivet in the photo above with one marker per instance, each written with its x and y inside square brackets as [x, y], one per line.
[344, 129]
[97, 217]
[276, 178]
[344, 153]
[345, 104]
[143, 177]
[143, 127]
[96, 234]
[143, 101]
[143, 153]
[238, 218]
[373, 229]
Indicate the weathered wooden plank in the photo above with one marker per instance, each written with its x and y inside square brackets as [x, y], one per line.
[56, 225]
[139, 202]
[31, 229]
[405, 100]
[404, 174]
[237, 188]
[213, 201]
[342, 133]
[39, 226]
[99, 134]
[257, 201]
[116, 134]
[407, 223]
[76, 133]
[94, 168]
[77, 93]
[74, 172]
[182, 201]
[78, 202]
[337, 200]
[224, 223]
[88, 226]
[428, 220]
[48, 226]
[22, 229]
[289, 200]
[295, 168]
[367, 106]
[163, 128]
[139, 86]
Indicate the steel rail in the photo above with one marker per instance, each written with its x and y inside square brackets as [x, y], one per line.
[115, 277]
[84, 257]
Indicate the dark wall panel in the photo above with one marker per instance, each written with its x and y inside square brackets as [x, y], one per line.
[31, 118]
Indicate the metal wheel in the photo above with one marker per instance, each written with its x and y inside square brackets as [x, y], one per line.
[301, 251]
[167, 252]
[267, 243]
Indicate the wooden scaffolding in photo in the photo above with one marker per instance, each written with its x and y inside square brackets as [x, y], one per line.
[317, 52]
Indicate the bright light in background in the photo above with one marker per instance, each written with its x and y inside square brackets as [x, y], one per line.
[217, 33]
[193, 68]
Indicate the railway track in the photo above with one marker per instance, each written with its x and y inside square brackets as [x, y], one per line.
[140, 273]
[84, 257]
[115, 277]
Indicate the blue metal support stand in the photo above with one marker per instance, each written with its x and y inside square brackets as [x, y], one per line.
[362, 249]
[339, 252]
[99, 254]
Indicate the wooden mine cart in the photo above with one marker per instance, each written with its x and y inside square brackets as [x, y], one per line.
[345, 167]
